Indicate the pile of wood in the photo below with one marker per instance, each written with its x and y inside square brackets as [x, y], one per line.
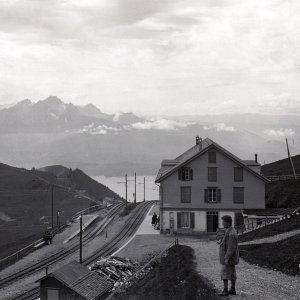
[115, 269]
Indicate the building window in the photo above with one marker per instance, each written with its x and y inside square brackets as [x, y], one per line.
[185, 174]
[186, 194]
[238, 195]
[212, 195]
[212, 157]
[238, 174]
[185, 220]
[212, 174]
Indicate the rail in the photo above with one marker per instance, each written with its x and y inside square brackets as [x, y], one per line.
[9, 260]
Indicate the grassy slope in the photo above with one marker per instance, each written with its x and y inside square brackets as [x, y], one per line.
[283, 256]
[80, 181]
[175, 277]
[281, 167]
[25, 199]
[83, 181]
[282, 193]
[272, 229]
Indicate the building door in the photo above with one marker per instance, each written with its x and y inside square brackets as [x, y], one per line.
[212, 221]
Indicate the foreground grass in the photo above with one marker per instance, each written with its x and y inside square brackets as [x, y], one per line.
[273, 229]
[174, 277]
[283, 256]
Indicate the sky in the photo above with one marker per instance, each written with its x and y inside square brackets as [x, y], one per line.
[169, 57]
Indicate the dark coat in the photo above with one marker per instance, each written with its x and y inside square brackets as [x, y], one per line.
[154, 219]
[229, 248]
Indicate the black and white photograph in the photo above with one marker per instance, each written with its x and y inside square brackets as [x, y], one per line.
[149, 149]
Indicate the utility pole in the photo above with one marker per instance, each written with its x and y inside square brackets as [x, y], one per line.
[126, 189]
[144, 183]
[80, 241]
[57, 220]
[126, 182]
[291, 161]
[52, 190]
[134, 188]
[144, 189]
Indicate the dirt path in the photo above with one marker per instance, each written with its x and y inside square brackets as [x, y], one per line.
[253, 282]
[273, 239]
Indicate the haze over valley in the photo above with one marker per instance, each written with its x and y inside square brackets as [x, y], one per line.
[52, 131]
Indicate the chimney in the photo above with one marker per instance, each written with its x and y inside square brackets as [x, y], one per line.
[256, 157]
[199, 142]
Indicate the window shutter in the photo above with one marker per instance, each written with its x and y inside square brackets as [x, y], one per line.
[192, 216]
[191, 174]
[219, 196]
[180, 174]
[178, 220]
[206, 195]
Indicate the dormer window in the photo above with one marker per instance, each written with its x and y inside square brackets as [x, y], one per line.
[212, 157]
[185, 174]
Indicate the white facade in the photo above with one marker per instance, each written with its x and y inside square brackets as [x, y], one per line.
[205, 216]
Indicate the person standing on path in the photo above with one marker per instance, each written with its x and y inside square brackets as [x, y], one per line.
[229, 256]
[154, 219]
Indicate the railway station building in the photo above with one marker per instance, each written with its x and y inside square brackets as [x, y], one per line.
[205, 183]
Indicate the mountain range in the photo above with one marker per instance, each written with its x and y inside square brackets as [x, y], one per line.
[51, 132]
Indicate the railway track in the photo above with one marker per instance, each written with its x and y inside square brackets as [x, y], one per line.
[110, 247]
[60, 254]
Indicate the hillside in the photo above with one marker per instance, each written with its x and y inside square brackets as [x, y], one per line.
[25, 201]
[78, 180]
[281, 167]
[282, 193]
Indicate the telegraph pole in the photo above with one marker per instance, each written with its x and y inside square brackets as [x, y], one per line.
[291, 161]
[134, 188]
[80, 241]
[52, 188]
[126, 182]
[144, 189]
[144, 183]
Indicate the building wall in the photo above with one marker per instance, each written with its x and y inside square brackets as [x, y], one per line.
[200, 219]
[64, 291]
[254, 193]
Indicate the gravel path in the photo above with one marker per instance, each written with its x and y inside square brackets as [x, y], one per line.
[254, 282]
[273, 239]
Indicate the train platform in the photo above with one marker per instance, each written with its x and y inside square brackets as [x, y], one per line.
[146, 227]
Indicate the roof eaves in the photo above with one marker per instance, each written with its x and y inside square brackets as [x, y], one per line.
[218, 147]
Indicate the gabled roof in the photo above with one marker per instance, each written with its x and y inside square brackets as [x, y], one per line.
[84, 282]
[169, 168]
[250, 162]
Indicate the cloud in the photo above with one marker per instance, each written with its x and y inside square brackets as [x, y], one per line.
[281, 132]
[160, 124]
[98, 130]
[220, 127]
[153, 57]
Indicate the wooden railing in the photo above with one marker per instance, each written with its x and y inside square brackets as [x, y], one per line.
[264, 222]
[281, 177]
